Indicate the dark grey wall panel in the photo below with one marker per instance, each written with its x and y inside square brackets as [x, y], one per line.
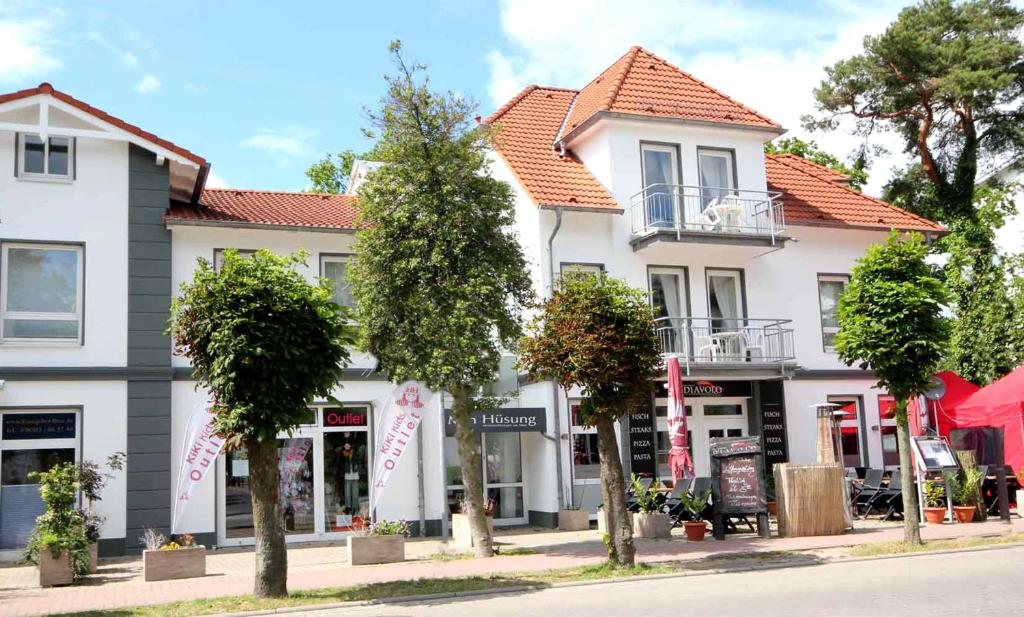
[149, 298]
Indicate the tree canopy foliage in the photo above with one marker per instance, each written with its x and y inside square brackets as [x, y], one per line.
[262, 340]
[948, 78]
[857, 171]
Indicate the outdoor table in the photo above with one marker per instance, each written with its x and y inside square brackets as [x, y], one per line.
[728, 341]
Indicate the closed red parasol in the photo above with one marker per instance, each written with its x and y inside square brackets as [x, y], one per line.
[679, 459]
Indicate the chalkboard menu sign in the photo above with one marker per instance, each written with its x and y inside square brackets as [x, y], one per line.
[773, 424]
[642, 454]
[737, 472]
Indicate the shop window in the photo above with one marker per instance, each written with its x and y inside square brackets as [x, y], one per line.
[850, 429]
[30, 442]
[887, 428]
[42, 293]
[49, 159]
[830, 288]
[723, 410]
[585, 461]
[295, 489]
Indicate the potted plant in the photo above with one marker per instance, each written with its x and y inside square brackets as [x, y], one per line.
[934, 502]
[649, 521]
[964, 487]
[381, 542]
[574, 517]
[58, 543]
[91, 483]
[164, 560]
[694, 506]
[462, 537]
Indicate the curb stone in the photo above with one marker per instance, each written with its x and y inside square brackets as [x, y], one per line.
[605, 581]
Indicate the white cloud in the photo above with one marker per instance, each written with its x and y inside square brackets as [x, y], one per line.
[769, 58]
[26, 49]
[127, 58]
[283, 145]
[216, 181]
[147, 84]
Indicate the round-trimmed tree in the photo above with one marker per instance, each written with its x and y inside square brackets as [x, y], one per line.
[264, 342]
[597, 333]
[890, 322]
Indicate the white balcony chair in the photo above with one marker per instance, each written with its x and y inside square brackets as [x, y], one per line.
[707, 348]
[753, 340]
[710, 219]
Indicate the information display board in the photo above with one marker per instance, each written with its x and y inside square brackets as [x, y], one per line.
[935, 454]
[737, 482]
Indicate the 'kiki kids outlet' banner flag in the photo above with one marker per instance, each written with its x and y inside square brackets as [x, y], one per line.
[199, 451]
[401, 416]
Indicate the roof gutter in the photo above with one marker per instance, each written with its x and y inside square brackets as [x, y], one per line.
[180, 222]
[576, 208]
[619, 115]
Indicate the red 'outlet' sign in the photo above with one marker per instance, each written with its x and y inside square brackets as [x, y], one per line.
[344, 417]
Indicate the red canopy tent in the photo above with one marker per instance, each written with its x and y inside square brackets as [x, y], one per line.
[943, 410]
[999, 404]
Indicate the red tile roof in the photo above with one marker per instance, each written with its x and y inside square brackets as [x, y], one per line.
[276, 208]
[527, 126]
[812, 196]
[642, 83]
[45, 88]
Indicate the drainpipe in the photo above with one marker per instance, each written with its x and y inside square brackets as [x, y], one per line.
[554, 384]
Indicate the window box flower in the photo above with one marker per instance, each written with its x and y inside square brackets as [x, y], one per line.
[652, 525]
[168, 564]
[573, 520]
[381, 542]
[54, 571]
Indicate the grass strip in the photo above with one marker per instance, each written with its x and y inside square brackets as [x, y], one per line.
[878, 549]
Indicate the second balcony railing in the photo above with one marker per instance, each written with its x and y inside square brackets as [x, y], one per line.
[704, 210]
[726, 341]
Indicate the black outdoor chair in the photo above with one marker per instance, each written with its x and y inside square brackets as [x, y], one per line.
[868, 491]
[892, 498]
[673, 505]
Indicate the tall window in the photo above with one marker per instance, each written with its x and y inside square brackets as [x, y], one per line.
[669, 302]
[218, 256]
[717, 170]
[887, 426]
[585, 462]
[850, 429]
[660, 168]
[830, 287]
[334, 268]
[571, 267]
[52, 158]
[725, 299]
[42, 292]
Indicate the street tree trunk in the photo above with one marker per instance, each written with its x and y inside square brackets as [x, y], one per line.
[472, 472]
[613, 491]
[271, 556]
[911, 522]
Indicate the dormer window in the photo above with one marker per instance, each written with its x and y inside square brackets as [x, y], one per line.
[49, 159]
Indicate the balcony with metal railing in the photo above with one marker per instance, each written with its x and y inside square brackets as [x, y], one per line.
[727, 343]
[682, 213]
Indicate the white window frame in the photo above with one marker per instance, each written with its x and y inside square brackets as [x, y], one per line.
[46, 175]
[40, 316]
[738, 281]
[730, 161]
[825, 330]
[345, 258]
[218, 256]
[574, 266]
[578, 429]
[857, 423]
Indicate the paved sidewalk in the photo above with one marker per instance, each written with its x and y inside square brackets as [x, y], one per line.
[119, 583]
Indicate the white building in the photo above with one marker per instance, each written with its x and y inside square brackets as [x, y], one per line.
[645, 173]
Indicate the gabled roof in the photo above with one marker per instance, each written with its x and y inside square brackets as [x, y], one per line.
[811, 195]
[527, 126]
[643, 84]
[46, 89]
[249, 208]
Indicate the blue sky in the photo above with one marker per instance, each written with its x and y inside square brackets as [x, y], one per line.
[262, 89]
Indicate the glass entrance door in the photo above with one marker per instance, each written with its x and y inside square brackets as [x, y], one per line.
[501, 456]
[346, 481]
[706, 419]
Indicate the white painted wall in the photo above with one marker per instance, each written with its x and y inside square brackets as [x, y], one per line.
[1010, 238]
[92, 210]
[104, 414]
[801, 424]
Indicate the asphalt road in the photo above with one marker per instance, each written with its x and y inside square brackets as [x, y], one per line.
[989, 582]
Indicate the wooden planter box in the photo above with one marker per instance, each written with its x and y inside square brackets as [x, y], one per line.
[461, 535]
[602, 521]
[54, 571]
[180, 563]
[93, 558]
[573, 520]
[653, 525]
[364, 550]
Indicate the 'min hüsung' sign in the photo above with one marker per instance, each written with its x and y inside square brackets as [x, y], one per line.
[502, 420]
